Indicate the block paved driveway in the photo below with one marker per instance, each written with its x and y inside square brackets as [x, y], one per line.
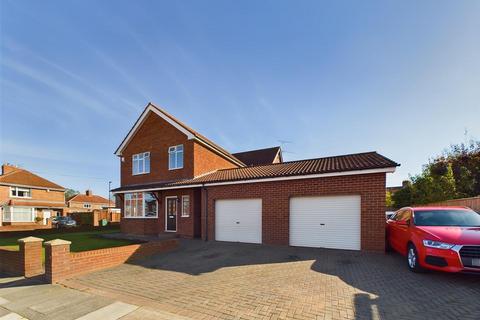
[214, 280]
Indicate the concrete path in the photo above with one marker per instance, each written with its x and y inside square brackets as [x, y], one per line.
[31, 299]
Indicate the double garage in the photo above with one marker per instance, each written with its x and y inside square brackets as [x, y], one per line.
[314, 221]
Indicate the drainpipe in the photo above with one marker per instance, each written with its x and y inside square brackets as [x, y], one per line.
[206, 211]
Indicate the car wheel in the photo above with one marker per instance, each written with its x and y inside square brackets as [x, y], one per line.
[412, 259]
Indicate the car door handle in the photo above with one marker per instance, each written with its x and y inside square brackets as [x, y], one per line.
[322, 224]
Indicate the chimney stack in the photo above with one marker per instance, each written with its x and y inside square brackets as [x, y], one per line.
[88, 192]
[7, 168]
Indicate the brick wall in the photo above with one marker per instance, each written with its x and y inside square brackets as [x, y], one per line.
[187, 227]
[60, 263]
[44, 195]
[207, 161]
[25, 262]
[37, 194]
[275, 204]
[156, 136]
[74, 206]
[4, 194]
[10, 262]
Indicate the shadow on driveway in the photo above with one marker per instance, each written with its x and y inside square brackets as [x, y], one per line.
[343, 284]
[7, 281]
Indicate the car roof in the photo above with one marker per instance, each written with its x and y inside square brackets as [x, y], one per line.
[433, 208]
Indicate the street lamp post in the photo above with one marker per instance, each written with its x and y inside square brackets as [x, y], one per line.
[109, 193]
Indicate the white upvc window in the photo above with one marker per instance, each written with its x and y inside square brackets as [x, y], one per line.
[175, 157]
[140, 205]
[18, 214]
[87, 205]
[18, 192]
[141, 163]
[185, 206]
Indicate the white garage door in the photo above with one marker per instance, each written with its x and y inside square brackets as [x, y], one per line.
[325, 222]
[238, 220]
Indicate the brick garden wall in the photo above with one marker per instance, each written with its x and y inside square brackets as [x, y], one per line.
[60, 263]
[10, 262]
[276, 201]
[25, 262]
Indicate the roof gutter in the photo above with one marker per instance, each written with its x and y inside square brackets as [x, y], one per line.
[298, 177]
[29, 186]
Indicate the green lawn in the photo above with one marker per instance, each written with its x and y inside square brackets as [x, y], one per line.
[81, 241]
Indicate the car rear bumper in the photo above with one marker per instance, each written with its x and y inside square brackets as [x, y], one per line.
[446, 260]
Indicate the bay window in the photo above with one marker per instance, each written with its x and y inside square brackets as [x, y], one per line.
[140, 205]
[18, 214]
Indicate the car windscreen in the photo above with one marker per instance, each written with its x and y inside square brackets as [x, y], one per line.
[445, 218]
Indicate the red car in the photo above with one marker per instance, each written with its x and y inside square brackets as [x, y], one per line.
[437, 238]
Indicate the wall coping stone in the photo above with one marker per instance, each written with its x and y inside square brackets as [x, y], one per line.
[57, 242]
[30, 239]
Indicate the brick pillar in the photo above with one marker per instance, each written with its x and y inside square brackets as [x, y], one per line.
[31, 256]
[57, 260]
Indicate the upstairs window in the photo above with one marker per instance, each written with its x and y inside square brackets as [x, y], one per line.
[141, 163]
[20, 192]
[87, 205]
[175, 157]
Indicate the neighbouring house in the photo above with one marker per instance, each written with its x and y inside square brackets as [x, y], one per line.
[26, 198]
[394, 189]
[86, 202]
[174, 179]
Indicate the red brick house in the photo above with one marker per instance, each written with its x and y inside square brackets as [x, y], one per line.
[28, 199]
[173, 179]
[86, 202]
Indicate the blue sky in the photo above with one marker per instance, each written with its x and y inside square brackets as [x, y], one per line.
[336, 77]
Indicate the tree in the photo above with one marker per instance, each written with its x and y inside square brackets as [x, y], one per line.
[70, 193]
[403, 197]
[388, 200]
[453, 174]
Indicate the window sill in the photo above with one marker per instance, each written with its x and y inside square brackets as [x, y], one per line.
[139, 174]
[17, 197]
[171, 169]
[140, 217]
[184, 216]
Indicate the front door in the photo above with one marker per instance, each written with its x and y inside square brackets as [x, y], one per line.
[171, 214]
[46, 215]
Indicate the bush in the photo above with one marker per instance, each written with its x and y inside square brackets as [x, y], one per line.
[454, 174]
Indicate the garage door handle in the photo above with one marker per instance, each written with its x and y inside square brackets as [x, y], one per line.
[238, 222]
[322, 224]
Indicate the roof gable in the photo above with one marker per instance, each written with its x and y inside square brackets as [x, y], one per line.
[190, 133]
[260, 156]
